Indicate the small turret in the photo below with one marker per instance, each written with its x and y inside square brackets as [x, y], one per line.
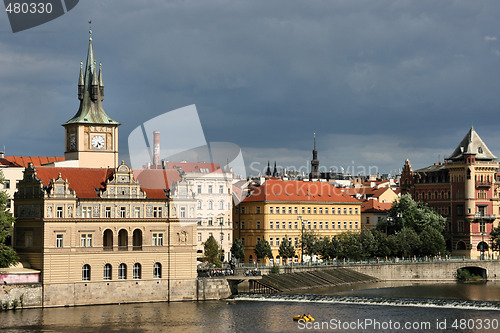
[101, 82]
[95, 85]
[81, 83]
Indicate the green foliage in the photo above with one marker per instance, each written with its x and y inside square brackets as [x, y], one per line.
[286, 249]
[7, 255]
[212, 251]
[495, 239]
[415, 215]
[432, 242]
[385, 245]
[15, 303]
[368, 243]
[328, 248]
[308, 243]
[465, 275]
[275, 269]
[408, 242]
[263, 249]
[350, 245]
[238, 249]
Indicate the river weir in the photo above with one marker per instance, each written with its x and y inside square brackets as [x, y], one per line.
[361, 300]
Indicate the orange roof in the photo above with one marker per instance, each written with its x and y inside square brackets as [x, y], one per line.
[194, 166]
[23, 161]
[86, 182]
[373, 206]
[294, 190]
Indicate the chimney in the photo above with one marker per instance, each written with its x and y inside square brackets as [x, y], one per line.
[2, 154]
[156, 149]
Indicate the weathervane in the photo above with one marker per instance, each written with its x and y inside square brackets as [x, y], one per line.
[90, 29]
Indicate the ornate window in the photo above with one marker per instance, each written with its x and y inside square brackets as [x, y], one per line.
[108, 269]
[122, 272]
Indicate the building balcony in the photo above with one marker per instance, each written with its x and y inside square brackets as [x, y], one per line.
[484, 218]
[483, 184]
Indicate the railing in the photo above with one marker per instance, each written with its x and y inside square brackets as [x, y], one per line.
[123, 248]
[137, 248]
[108, 248]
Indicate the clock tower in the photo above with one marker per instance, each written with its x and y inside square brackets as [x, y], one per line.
[91, 135]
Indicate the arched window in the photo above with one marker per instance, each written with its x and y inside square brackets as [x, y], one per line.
[157, 270]
[122, 240]
[199, 204]
[108, 269]
[137, 271]
[210, 205]
[107, 240]
[86, 272]
[461, 245]
[122, 272]
[137, 240]
[482, 246]
[221, 205]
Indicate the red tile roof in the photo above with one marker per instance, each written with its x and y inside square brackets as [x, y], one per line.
[86, 181]
[23, 161]
[373, 206]
[293, 190]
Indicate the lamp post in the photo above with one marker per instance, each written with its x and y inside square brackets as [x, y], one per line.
[221, 222]
[301, 238]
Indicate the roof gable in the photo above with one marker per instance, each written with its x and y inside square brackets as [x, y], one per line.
[472, 144]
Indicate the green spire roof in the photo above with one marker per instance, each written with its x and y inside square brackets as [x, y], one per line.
[91, 110]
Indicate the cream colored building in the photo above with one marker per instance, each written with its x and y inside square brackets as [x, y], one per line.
[210, 188]
[277, 209]
[96, 234]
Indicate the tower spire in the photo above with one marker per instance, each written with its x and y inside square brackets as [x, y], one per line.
[90, 93]
[315, 162]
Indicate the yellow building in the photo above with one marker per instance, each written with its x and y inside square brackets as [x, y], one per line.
[278, 209]
[96, 234]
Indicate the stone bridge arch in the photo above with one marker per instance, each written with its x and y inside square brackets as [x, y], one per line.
[476, 270]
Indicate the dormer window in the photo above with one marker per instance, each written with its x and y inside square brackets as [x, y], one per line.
[479, 150]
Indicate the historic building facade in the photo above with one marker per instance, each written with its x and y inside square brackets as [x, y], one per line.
[465, 190]
[97, 234]
[277, 209]
[208, 187]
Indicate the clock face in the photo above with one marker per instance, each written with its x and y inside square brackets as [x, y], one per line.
[72, 142]
[98, 141]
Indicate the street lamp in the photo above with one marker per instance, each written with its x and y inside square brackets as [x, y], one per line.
[221, 222]
[302, 239]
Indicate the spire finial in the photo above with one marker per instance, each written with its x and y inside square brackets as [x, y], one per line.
[314, 140]
[90, 30]
[81, 64]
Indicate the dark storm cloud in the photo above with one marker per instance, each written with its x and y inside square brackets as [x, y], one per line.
[378, 80]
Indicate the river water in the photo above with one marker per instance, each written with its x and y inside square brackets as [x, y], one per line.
[373, 307]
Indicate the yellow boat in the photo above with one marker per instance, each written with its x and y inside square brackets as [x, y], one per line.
[305, 318]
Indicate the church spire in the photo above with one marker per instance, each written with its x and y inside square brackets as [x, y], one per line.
[268, 171]
[315, 162]
[90, 93]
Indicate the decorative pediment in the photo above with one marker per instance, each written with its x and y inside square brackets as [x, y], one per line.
[123, 185]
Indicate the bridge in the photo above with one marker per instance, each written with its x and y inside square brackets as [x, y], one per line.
[433, 270]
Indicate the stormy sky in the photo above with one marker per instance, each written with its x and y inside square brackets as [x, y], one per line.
[378, 81]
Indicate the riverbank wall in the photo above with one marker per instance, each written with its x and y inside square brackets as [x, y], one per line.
[113, 292]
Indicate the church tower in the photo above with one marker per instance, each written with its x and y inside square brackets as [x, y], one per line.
[315, 162]
[91, 135]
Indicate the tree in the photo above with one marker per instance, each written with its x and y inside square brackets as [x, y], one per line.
[263, 249]
[212, 251]
[286, 249]
[408, 241]
[385, 245]
[415, 215]
[328, 248]
[309, 242]
[432, 242]
[369, 243]
[350, 245]
[238, 249]
[495, 239]
[7, 255]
